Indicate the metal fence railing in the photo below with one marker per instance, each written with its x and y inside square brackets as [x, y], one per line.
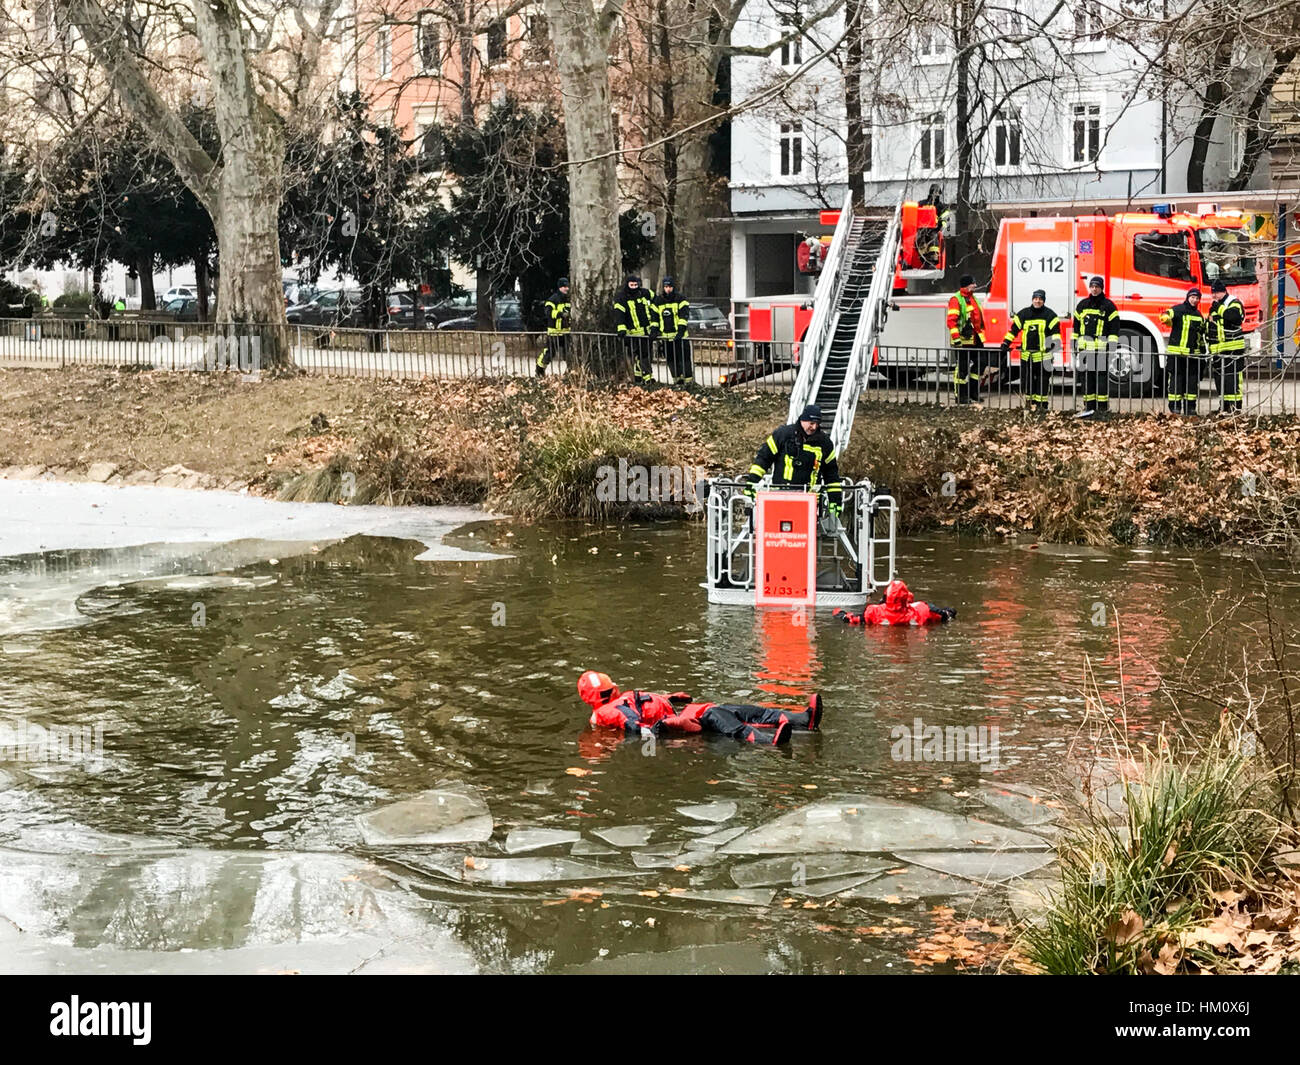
[916, 375]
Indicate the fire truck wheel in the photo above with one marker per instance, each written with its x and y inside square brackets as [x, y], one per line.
[1135, 368]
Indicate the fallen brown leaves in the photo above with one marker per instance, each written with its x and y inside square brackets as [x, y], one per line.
[967, 943]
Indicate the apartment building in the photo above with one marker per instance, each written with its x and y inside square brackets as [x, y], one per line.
[1071, 111]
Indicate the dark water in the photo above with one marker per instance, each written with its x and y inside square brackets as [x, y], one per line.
[361, 676]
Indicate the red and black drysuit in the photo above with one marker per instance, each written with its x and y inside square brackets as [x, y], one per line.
[634, 710]
[899, 608]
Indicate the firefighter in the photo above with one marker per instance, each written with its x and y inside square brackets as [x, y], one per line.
[636, 710]
[966, 333]
[1227, 347]
[558, 310]
[899, 608]
[1096, 330]
[800, 455]
[1034, 325]
[635, 309]
[1186, 350]
[674, 332]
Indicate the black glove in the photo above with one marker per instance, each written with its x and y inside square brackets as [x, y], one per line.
[945, 612]
[1006, 346]
[968, 331]
[750, 490]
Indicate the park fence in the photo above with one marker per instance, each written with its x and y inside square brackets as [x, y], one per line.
[912, 375]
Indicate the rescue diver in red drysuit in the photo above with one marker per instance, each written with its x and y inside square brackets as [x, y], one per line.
[637, 709]
[899, 608]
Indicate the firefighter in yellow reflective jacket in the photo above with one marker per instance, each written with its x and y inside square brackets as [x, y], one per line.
[800, 455]
[1186, 353]
[1096, 332]
[1228, 347]
[557, 327]
[674, 332]
[634, 313]
[1035, 325]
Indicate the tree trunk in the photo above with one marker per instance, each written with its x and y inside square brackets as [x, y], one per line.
[483, 286]
[202, 285]
[963, 20]
[1258, 138]
[668, 254]
[242, 195]
[148, 297]
[581, 38]
[465, 42]
[855, 136]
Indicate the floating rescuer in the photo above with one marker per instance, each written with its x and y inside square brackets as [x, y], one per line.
[635, 710]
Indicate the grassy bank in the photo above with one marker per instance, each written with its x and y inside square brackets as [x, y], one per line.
[533, 448]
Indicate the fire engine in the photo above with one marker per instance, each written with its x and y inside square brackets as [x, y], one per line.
[1149, 261]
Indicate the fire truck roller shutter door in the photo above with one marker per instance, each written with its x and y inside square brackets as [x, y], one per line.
[1048, 265]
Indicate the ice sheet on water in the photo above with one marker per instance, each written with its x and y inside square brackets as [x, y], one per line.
[717, 839]
[1018, 803]
[500, 872]
[642, 860]
[588, 848]
[807, 867]
[69, 837]
[731, 896]
[913, 884]
[671, 847]
[867, 824]
[625, 835]
[819, 889]
[210, 582]
[235, 910]
[981, 866]
[716, 812]
[519, 840]
[449, 813]
[1031, 897]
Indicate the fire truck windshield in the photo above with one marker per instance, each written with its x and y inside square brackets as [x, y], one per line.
[1226, 255]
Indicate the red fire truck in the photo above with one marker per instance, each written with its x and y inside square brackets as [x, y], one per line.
[1149, 260]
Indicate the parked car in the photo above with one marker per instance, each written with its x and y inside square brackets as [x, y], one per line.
[177, 292]
[707, 322]
[297, 292]
[508, 314]
[402, 306]
[333, 307]
[182, 309]
[444, 310]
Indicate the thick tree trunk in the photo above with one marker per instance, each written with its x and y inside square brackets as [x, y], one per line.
[203, 286]
[484, 283]
[148, 298]
[581, 38]
[668, 108]
[242, 195]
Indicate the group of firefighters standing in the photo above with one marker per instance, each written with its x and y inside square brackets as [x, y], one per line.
[1194, 337]
[642, 319]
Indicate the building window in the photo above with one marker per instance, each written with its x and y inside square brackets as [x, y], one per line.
[932, 43]
[1237, 147]
[791, 141]
[384, 51]
[1006, 137]
[496, 43]
[539, 35]
[932, 146]
[430, 43]
[1087, 20]
[1008, 22]
[787, 20]
[1085, 145]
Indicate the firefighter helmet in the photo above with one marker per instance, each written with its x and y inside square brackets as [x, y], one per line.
[596, 689]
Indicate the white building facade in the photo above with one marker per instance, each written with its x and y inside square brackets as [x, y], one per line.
[1073, 110]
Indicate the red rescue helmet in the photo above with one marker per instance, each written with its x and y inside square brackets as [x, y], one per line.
[596, 689]
[897, 595]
